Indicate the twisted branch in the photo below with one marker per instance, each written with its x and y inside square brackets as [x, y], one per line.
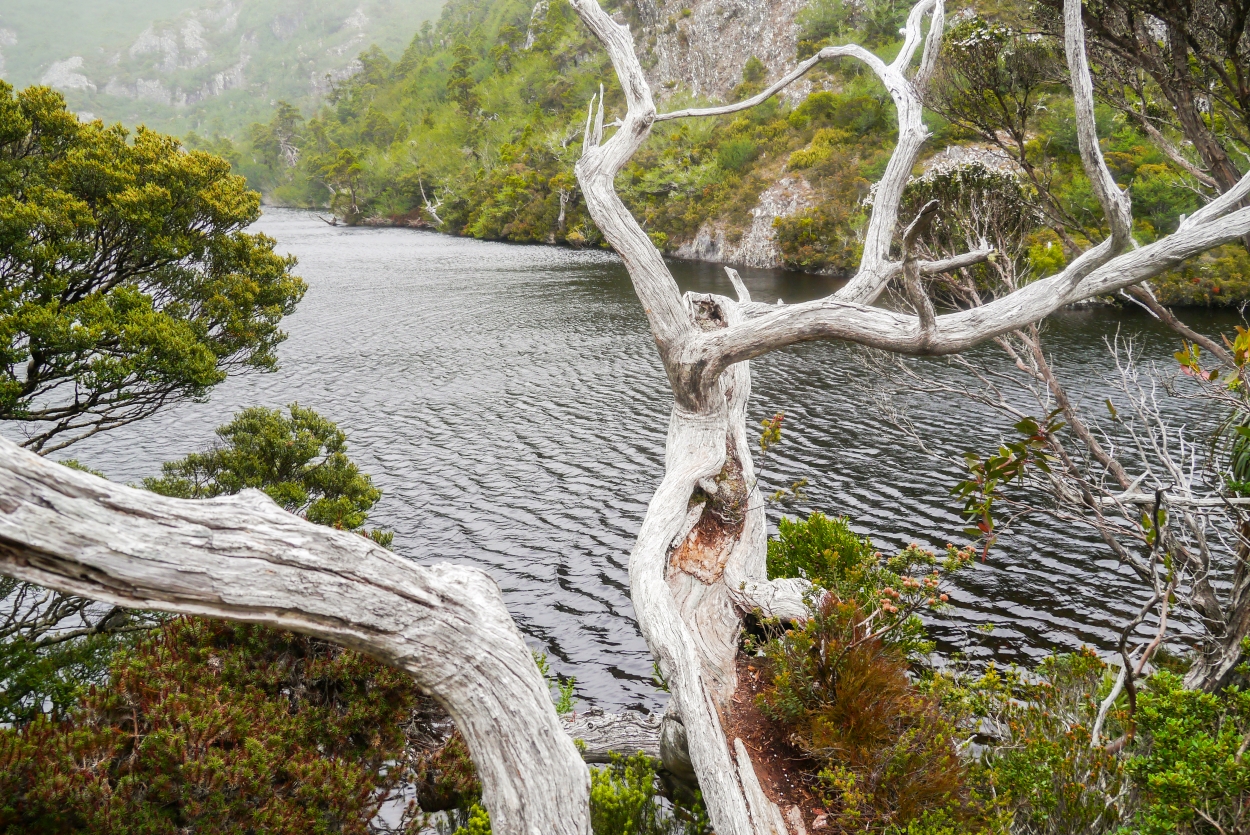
[244, 558]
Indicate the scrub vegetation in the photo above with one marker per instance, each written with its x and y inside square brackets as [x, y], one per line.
[131, 282]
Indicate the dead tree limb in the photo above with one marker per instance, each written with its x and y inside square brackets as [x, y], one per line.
[244, 558]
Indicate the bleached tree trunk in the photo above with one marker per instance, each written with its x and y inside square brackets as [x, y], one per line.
[698, 563]
[244, 558]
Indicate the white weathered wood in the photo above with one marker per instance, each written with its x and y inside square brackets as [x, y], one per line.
[1115, 203]
[765, 813]
[876, 268]
[244, 558]
[1176, 501]
[832, 318]
[604, 735]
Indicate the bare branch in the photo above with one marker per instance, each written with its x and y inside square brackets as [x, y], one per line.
[827, 54]
[1220, 205]
[875, 269]
[1115, 203]
[956, 262]
[596, 171]
[431, 208]
[744, 295]
[1174, 154]
[605, 735]
[911, 271]
[932, 44]
[832, 318]
[1143, 295]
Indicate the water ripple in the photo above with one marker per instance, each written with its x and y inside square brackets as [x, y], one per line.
[509, 403]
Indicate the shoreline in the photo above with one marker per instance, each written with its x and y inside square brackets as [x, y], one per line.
[414, 222]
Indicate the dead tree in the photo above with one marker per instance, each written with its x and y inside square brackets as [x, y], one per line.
[698, 563]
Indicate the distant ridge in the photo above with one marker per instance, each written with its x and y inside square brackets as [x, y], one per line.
[211, 66]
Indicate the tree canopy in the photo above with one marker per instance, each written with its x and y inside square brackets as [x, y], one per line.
[127, 279]
[300, 462]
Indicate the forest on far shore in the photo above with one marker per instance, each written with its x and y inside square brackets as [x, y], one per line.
[475, 129]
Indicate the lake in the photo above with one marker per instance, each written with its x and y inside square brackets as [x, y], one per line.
[509, 403]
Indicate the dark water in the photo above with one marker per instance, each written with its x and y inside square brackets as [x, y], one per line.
[509, 403]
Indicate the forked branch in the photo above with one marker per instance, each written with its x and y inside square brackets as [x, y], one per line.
[1102, 270]
[826, 54]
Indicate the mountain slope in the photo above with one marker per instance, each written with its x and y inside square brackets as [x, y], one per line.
[197, 65]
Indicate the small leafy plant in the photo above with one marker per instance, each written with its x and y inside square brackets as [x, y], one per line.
[888, 593]
[623, 801]
[883, 750]
[564, 698]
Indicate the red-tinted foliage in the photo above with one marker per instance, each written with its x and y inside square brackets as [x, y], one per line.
[214, 727]
[885, 750]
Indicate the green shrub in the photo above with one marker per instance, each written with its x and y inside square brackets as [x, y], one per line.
[884, 749]
[217, 728]
[1044, 772]
[623, 801]
[885, 752]
[826, 237]
[478, 823]
[1189, 764]
[822, 146]
[734, 154]
[822, 549]
[828, 553]
[299, 461]
[1219, 278]
[37, 680]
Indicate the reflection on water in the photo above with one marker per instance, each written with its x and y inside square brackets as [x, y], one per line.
[509, 403]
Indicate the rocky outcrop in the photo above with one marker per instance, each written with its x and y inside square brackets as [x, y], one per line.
[701, 46]
[757, 246]
[65, 75]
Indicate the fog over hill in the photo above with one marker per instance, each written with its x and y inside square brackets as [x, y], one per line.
[212, 66]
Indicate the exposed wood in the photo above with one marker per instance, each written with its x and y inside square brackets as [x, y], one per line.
[244, 558]
[1178, 501]
[604, 734]
[1115, 203]
[832, 319]
[876, 268]
[767, 816]
[698, 562]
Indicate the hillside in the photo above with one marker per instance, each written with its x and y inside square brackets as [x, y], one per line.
[471, 125]
[197, 65]
[475, 130]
